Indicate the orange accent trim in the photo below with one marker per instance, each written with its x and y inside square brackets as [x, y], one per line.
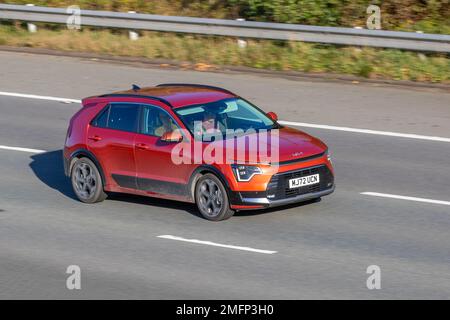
[243, 207]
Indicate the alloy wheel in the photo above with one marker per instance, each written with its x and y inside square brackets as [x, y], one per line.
[211, 198]
[85, 180]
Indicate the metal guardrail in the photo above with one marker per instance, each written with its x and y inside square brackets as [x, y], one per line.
[241, 29]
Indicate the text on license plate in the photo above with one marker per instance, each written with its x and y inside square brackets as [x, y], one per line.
[304, 181]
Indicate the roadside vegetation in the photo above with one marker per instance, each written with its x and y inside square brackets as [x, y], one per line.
[206, 53]
[431, 16]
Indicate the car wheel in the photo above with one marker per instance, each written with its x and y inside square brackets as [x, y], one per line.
[212, 198]
[87, 182]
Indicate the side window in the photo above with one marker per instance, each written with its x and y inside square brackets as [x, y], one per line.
[102, 119]
[156, 122]
[123, 117]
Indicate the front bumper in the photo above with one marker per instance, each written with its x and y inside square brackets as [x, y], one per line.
[267, 203]
[278, 192]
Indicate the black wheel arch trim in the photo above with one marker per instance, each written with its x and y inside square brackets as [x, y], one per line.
[233, 196]
[90, 156]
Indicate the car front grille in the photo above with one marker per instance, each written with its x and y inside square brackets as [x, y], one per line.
[278, 187]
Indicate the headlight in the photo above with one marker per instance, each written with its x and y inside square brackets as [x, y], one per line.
[245, 173]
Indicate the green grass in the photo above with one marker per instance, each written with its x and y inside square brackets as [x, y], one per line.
[208, 52]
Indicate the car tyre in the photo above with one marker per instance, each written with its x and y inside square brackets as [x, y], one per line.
[212, 198]
[87, 182]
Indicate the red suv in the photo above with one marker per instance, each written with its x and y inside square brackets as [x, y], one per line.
[192, 143]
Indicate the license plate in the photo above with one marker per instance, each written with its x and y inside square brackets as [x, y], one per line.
[304, 181]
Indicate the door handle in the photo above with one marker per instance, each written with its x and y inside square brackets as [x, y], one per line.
[95, 138]
[142, 146]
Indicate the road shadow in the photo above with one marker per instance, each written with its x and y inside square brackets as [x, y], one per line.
[279, 209]
[49, 168]
[155, 202]
[192, 208]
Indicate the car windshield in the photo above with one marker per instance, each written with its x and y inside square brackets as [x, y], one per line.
[220, 116]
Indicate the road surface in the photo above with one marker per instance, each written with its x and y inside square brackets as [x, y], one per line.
[319, 250]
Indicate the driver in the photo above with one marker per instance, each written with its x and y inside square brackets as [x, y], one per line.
[210, 124]
[167, 125]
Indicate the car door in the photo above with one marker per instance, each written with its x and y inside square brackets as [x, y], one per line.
[156, 172]
[111, 137]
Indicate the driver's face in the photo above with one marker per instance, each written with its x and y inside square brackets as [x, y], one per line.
[208, 121]
[208, 117]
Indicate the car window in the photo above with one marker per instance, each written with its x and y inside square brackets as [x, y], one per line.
[156, 121]
[123, 117]
[239, 109]
[102, 119]
[233, 113]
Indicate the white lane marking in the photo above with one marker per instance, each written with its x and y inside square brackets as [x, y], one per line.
[368, 131]
[209, 243]
[393, 196]
[289, 123]
[22, 149]
[33, 96]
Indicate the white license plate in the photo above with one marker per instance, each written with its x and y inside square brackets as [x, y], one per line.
[304, 181]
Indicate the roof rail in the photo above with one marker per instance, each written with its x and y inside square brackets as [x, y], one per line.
[112, 95]
[195, 85]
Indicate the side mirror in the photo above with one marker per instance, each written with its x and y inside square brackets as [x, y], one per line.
[172, 136]
[272, 115]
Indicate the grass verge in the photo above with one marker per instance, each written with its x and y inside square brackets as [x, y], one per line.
[215, 51]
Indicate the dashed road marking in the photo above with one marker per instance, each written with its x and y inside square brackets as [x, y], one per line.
[33, 96]
[209, 243]
[22, 149]
[394, 196]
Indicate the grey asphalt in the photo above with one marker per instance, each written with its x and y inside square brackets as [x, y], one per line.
[323, 249]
